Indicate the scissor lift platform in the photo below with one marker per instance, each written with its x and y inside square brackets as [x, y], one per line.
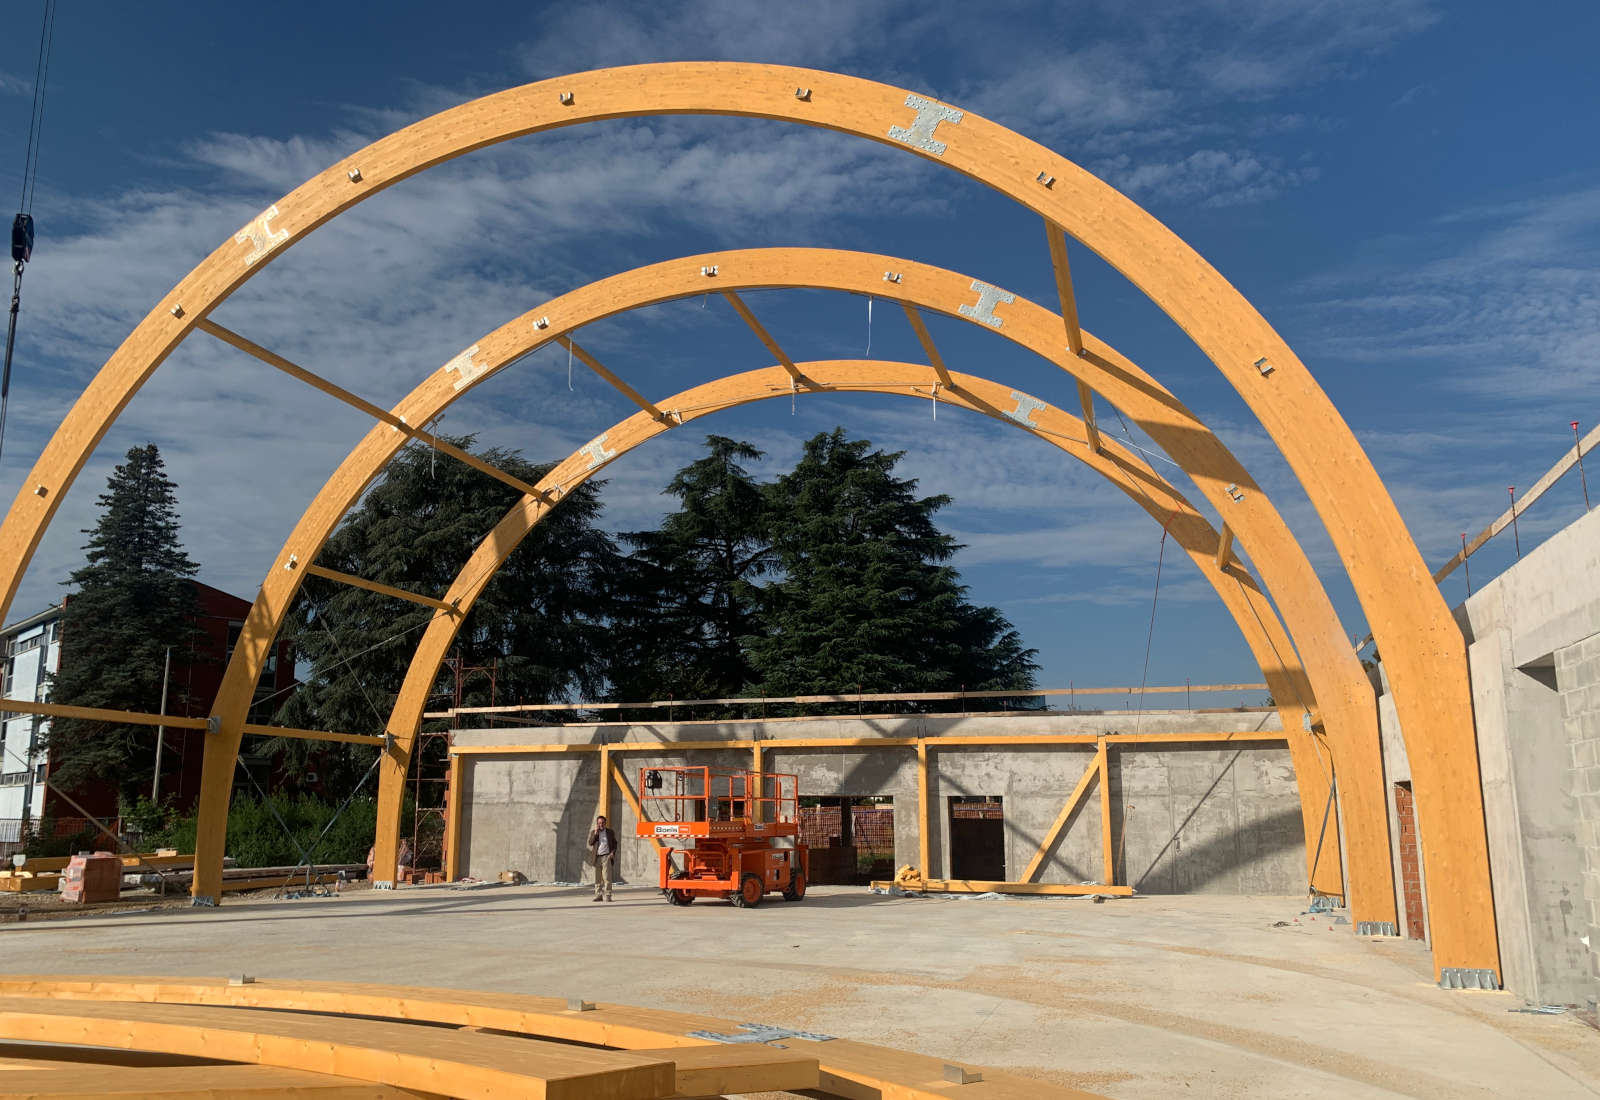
[741, 829]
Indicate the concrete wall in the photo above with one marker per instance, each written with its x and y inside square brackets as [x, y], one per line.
[1203, 818]
[1533, 650]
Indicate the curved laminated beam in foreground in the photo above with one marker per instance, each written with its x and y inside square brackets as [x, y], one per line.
[1345, 700]
[108, 1010]
[1257, 621]
[1424, 650]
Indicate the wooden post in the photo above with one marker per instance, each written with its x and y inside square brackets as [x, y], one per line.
[455, 796]
[1109, 859]
[605, 783]
[923, 838]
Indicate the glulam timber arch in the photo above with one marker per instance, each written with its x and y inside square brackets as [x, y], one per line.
[1253, 613]
[1424, 652]
[1345, 706]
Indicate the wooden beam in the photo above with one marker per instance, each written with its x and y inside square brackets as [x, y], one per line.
[984, 886]
[605, 783]
[80, 1080]
[435, 1060]
[1551, 476]
[456, 793]
[757, 767]
[1050, 838]
[1091, 431]
[100, 714]
[1224, 547]
[632, 799]
[932, 352]
[867, 697]
[742, 1068]
[1108, 859]
[923, 838]
[382, 589]
[254, 729]
[316, 381]
[765, 337]
[968, 741]
[1069, 301]
[616, 383]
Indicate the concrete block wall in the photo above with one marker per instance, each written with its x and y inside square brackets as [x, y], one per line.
[1205, 818]
[1578, 680]
[1531, 656]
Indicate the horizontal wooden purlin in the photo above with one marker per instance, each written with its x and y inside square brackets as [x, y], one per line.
[101, 714]
[316, 381]
[1091, 430]
[982, 886]
[616, 383]
[1224, 547]
[1069, 301]
[1551, 476]
[909, 697]
[382, 589]
[928, 346]
[252, 729]
[955, 742]
[172, 721]
[763, 335]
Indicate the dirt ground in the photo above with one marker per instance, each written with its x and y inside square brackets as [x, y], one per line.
[1133, 998]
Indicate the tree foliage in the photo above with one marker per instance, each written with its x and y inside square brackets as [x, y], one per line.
[866, 597]
[539, 622]
[687, 600]
[132, 599]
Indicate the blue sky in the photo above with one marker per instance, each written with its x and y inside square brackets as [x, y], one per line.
[1407, 190]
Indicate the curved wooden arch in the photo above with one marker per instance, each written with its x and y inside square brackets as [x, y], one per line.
[1259, 624]
[1344, 695]
[1425, 653]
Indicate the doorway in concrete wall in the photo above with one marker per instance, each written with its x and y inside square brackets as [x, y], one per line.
[851, 839]
[1410, 863]
[978, 837]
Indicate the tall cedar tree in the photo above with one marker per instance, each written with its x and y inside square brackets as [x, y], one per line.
[133, 599]
[686, 601]
[539, 622]
[867, 598]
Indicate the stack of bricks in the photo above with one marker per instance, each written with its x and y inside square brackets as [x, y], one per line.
[90, 878]
[1578, 678]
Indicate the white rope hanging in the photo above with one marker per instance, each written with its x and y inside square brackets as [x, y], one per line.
[869, 328]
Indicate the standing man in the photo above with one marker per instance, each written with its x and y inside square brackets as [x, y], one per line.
[603, 854]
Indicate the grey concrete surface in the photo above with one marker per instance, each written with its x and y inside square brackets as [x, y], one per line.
[1533, 649]
[1136, 999]
[1202, 818]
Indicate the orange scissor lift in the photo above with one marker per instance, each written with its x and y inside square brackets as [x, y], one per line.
[731, 820]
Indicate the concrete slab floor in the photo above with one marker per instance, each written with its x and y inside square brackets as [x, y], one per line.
[1132, 998]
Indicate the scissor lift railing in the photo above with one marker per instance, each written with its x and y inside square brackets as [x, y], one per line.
[705, 802]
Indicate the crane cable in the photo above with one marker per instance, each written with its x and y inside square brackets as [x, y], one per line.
[22, 224]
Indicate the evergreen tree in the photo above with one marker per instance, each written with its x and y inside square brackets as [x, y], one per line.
[540, 621]
[133, 599]
[686, 600]
[867, 597]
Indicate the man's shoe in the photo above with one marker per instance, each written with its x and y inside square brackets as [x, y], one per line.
[597, 898]
[608, 899]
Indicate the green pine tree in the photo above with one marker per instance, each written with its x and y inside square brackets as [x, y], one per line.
[133, 598]
[686, 600]
[867, 599]
[540, 621]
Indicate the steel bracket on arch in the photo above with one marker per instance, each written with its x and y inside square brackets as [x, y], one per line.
[1376, 928]
[759, 1033]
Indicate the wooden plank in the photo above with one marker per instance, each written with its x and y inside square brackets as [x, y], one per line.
[891, 697]
[976, 886]
[1063, 271]
[78, 1081]
[377, 1051]
[1224, 547]
[847, 1068]
[720, 1068]
[398, 423]
[1108, 874]
[457, 794]
[254, 729]
[1050, 838]
[928, 346]
[382, 589]
[616, 383]
[1501, 522]
[764, 336]
[950, 742]
[923, 823]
